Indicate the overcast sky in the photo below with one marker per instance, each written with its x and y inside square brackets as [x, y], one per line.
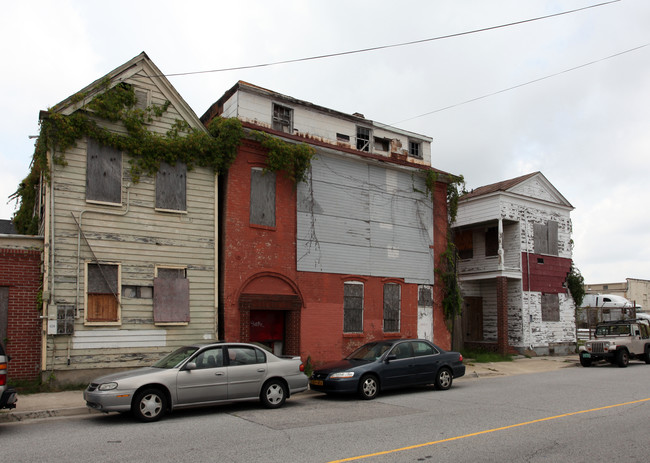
[586, 130]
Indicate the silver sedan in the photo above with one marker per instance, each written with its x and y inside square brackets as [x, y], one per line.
[199, 375]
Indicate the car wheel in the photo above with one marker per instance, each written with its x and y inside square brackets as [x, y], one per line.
[444, 379]
[647, 355]
[274, 394]
[622, 358]
[368, 387]
[585, 362]
[149, 405]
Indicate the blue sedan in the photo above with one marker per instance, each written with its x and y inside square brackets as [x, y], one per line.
[390, 364]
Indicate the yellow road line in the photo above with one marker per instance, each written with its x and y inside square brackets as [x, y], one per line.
[411, 447]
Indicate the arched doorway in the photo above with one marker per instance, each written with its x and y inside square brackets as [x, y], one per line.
[269, 306]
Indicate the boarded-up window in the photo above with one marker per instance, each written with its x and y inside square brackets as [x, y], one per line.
[550, 308]
[103, 304]
[171, 187]
[262, 208]
[546, 237]
[353, 307]
[103, 173]
[392, 303]
[464, 241]
[171, 296]
[492, 241]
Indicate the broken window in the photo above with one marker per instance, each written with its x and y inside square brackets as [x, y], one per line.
[171, 187]
[103, 173]
[353, 307]
[171, 295]
[343, 138]
[382, 144]
[262, 204]
[464, 241]
[392, 303]
[415, 149]
[363, 139]
[546, 238]
[102, 296]
[282, 118]
[492, 241]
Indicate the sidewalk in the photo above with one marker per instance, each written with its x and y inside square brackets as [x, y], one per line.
[71, 403]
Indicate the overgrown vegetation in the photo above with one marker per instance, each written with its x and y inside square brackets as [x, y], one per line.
[576, 284]
[481, 356]
[215, 149]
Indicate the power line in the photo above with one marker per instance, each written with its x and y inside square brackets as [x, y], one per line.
[522, 85]
[384, 47]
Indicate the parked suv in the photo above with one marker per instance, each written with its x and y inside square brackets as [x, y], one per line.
[7, 393]
[618, 342]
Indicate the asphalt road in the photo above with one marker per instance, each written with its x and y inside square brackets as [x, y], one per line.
[573, 414]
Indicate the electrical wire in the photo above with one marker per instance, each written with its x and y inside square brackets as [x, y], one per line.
[522, 85]
[384, 47]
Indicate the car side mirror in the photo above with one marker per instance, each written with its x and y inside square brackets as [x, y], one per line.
[391, 357]
[190, 366]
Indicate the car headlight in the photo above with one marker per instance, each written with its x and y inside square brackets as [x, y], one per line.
[342, 374]
[107, 386]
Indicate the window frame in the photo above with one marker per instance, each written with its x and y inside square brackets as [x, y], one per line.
[363, 143]
[117, 294]
[387, 309]
[180, 314]
[165, 202]
[418, 145]
[283, 121]
[103, 166]
[346, 309]
[256, 196]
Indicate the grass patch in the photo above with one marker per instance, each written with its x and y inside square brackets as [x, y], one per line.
[478, 356]
[37, 386]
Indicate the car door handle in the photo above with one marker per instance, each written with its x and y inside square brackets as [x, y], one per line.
[219, 373]
[260, 370]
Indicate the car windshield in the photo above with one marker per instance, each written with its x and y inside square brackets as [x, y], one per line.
[371, 351]
[613, 330]
[176, 357]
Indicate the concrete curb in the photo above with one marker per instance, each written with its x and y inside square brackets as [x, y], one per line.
[15, 416]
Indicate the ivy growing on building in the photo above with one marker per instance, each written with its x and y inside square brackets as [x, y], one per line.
[576, 285]
[215, 149]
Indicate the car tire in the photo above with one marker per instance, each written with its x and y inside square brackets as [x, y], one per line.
[368, 387]
[622, 358]
[585, 362]
[274, 394]
[444, 378]
[149, 405]
[647, 355]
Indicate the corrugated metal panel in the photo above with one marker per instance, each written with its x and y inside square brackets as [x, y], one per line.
[365, 220]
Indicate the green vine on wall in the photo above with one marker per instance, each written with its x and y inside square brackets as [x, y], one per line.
[292, 159]
[215, 149]
[452, 301]
[576, 285]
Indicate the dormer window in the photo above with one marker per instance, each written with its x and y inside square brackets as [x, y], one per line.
[282, 118]
[363, 138]
[415, 149]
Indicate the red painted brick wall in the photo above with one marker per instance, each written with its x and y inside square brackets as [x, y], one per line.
[21, 271]
[546, 277]
[270, 254]
[441, 334]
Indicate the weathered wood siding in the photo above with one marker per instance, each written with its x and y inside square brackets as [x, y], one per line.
[139, 238]
[358, 218]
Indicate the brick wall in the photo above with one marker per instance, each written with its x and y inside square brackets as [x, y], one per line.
[20, 271]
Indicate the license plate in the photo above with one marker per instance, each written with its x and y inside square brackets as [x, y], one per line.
[586, 355]
[316, 382]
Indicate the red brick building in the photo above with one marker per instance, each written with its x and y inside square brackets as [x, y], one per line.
[342, 258]
[20, 322]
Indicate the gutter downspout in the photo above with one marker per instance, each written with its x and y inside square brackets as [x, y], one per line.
[530, 317]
